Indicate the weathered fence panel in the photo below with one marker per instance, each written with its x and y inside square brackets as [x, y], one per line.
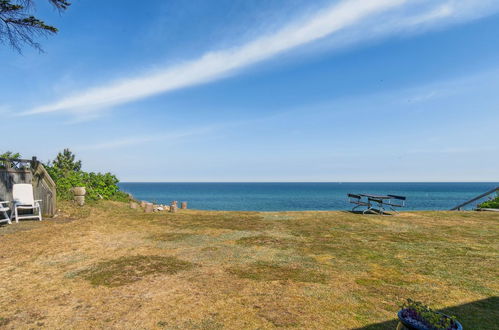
[10, 176]
[28, 171]
[44, 189]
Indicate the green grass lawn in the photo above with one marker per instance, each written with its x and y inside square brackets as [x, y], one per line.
[120, 268]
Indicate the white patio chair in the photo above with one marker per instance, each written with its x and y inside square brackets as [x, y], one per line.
[22, 194]
[3, 212]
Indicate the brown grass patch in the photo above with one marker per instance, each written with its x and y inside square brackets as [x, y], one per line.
[126, 270]
[69, 209]
[250, 221]
[279, 316]
[205, 324]
[267, 241]
[4, 321]
[210, 249]
[169, 237]
[265, 271]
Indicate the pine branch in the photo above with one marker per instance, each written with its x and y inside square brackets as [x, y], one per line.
[18, 26]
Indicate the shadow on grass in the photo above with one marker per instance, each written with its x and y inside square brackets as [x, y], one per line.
[361, 212]
[480, 314]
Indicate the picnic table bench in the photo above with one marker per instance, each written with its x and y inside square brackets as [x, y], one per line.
[371, 201]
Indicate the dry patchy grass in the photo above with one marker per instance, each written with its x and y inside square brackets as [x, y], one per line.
[129, 269]
[267, 241]
[169, 237]
[265, 271]
[108, 266]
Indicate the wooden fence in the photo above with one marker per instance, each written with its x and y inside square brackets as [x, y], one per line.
[14, 171]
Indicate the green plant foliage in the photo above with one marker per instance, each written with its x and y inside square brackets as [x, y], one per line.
[18, 26]
[65, 161]
[66, 173]
[428, 316]
[492, 204]
[9, 155]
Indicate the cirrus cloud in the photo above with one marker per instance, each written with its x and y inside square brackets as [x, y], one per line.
[218, 64]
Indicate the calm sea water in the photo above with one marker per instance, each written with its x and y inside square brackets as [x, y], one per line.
[301, 196]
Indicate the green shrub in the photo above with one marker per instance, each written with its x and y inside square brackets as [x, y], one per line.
[67, 173]
[492, 204]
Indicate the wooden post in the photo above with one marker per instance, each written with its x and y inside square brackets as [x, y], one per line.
[149, 208]
[183, 205]
[173, 207]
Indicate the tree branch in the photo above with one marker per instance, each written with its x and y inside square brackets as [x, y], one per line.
[18, 27]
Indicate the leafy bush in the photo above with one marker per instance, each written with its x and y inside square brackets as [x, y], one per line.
[9, 155]
[492, 204]
[67, 173]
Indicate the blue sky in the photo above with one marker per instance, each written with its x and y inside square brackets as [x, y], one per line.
[282, 90]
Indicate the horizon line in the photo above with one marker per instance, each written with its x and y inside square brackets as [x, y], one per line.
[338, 182]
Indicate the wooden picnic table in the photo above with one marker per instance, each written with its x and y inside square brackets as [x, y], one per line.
[372, 200]
[377, 199]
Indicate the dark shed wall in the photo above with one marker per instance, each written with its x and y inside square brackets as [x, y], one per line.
[8, 177]
[43, 186]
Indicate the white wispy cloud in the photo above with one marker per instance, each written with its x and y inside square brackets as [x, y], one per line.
[121, 142]
[218, 64]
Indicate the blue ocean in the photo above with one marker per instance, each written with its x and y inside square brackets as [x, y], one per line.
[301, 196]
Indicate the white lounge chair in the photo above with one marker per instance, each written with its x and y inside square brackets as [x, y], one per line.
[22, 194]
[3, 212]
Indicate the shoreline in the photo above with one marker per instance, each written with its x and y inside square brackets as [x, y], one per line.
[282, 197]
[166, 208]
